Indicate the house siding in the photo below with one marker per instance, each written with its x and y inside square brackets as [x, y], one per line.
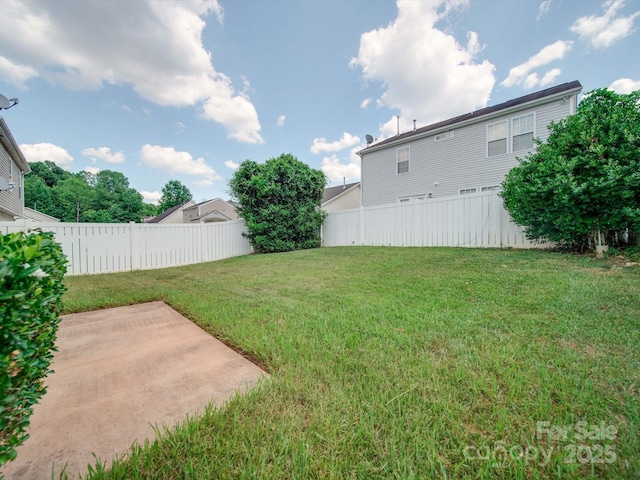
[455, 163]
[346, 201]
[11, 201]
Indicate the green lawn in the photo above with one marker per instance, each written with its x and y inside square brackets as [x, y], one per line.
[404, 363]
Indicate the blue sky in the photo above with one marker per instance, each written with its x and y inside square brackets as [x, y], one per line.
[188, 89]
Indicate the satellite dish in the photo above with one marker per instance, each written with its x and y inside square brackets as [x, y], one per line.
[4, 102]
[369, 139]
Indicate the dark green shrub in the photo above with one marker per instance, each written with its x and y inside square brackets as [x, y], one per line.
[280, 203]
[32, 267]
[584, 181]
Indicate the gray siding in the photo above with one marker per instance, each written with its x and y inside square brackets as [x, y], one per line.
[454, 163]
[11, 201]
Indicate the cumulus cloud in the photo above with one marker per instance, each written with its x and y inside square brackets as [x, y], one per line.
[523, 75]
[603, 31]
[336, 170]
[322, 145]
[103, 153]
[281, 120]
[15, 74]
[426, 73]
[172, 161]
[543, 8]
[39, 152]
[625, 85]
[151, 197]
[231, 164]
[92, 170]
[153, 46]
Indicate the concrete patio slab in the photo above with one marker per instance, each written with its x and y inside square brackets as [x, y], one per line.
[117, 373]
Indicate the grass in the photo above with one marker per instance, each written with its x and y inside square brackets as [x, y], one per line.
[403, 363]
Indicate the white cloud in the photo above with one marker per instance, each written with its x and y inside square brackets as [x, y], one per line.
[15, 74]
[203, 183]
[39, 152]
[543, 8]
[231, 164]
[522, 74]
[365, 103]
[172, 161]
[103, 153]
[92, 170]
[625, 85]
[151, 197]
[321, 144]
[281, 120]
[153, 46]
[180, 127]
[603, 31]
[336, 170]
[427, 74]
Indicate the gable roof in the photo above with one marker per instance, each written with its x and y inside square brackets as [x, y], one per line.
[167, 212]
[12, 147]
[209, 201]
[567, 88]
[333, 192]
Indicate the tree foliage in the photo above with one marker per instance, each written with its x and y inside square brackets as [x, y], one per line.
[83, 197]
[280, 202]
[174, 193]
[585, 178]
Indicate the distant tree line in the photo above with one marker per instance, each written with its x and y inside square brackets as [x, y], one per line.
[105, 197]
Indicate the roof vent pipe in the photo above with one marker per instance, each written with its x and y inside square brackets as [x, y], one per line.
[398, 122]
[414, 125]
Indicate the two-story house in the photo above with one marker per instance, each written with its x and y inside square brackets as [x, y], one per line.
[13, 168]
[465, 154]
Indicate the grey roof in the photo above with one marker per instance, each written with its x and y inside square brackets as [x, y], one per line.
[167, 212]
[565, 87]
[332, 192]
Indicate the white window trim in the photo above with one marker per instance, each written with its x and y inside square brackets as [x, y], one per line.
[461, 190]
[486, 137]
[489, 188]
[510, 132]
[412, 198]
[408, 147]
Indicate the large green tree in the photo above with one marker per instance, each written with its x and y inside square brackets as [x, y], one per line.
[280, 203]
[173, 193]
[585, 179]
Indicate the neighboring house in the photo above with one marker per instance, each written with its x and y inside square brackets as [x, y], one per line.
[37, 216]
[13, 168]
[173, 214]
[342, 197]
[466, 154]
[216, 210]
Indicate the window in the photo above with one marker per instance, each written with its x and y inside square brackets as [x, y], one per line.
[442, 136]
[490, 188]
[496, 139]
[522, 133]
[465, 191]
[402, 160]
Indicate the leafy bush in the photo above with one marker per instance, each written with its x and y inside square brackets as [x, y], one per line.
[32, 267]
[585, 179]
[280, 202]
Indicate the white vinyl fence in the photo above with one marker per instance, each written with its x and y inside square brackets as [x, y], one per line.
[118, 247]
[475, 220]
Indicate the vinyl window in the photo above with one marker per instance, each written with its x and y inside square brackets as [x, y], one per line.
[402, 160]
[522, 132]
[497, 138]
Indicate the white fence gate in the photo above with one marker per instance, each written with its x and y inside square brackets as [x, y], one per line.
[475, 220]
[118, 247]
